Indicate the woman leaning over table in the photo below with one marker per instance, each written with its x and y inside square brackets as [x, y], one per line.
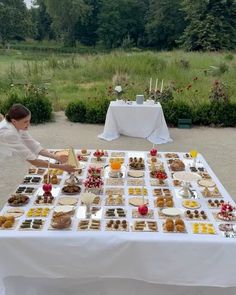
[15, 140]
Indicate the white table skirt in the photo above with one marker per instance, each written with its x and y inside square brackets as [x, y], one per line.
[145, 121]
[93, 260]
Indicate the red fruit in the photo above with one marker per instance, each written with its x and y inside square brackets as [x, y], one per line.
[47, 187]
[153, 152]
[143, 209]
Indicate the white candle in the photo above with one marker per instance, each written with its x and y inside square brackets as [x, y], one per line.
[161, 85]
[156, 85]
[150, 88]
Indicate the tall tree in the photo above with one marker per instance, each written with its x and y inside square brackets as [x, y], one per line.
[65, 15]
[86, 31]
[164, 23]
[211, 25]
[42, 21]
[121, 19]
[14, 20]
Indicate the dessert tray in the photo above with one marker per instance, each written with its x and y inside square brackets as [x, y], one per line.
[227, 227]
[32, 180]
[17, 200]
[206, 183]
[135, 182]
[7, 222]
[137, 191]
[170, 212]
[215, 203]
[149, 215]
[174, 226]
[191, 204]
[164, 201]
[203, 228]
[38, 212]
[158, 192]
[89, 224]
[115, 181]
[196, 215]
[115, 213]
[25, 190]
[115, 200]
[46, 200]
[71, 189]
[209, 193]
[136, 173]
[117, 225]
[61, 223]
[219, 217]
[32, 224]
[144, 226]
[67, 201]
[14, 212]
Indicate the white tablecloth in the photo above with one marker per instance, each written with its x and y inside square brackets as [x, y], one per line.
[145, 121]
[74, 262]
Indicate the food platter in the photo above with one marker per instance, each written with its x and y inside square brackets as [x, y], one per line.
[171, 212]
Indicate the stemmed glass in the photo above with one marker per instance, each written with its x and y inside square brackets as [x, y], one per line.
[193, 154]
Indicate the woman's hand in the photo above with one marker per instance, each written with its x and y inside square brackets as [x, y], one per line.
[68, 168]
[63, 159]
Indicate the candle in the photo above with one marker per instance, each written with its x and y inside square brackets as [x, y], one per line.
[150, 88]
[156, 85]
[161, 85]
[48, 178]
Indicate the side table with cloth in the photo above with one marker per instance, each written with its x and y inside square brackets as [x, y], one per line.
[145, 121]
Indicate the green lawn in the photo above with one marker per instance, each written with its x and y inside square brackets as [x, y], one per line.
[73, 76]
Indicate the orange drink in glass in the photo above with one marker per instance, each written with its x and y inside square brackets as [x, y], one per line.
[115, 166]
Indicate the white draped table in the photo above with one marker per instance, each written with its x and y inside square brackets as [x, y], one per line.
[72, 262]
[136, 120]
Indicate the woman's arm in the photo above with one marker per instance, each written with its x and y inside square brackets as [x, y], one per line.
[42, 163]
[51, 155]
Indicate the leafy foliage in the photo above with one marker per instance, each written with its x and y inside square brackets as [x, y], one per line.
[66, 15]
[14, 20]
[164, 23]
[211, 25]
[34, 99]
[120, 19]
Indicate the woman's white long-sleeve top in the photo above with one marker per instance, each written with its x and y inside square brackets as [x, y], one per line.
[14, 142]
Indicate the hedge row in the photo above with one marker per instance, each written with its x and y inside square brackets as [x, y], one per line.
[213, 113]
[39, 105]
[90, 111]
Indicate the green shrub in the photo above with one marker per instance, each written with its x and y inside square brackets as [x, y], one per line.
[92, 111]
[35, 100]
[12, 98]
[76, 111]
[96, 110]
[223, 114]
[174, 110]
[201, 114]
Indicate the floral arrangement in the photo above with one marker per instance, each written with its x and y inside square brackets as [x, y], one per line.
[161, 176]
[94, 179]
[226, 211]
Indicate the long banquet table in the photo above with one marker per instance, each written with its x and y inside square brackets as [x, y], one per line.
[136, 120]
[103, 262]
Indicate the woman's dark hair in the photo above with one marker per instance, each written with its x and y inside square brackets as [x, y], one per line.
[17, 112]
